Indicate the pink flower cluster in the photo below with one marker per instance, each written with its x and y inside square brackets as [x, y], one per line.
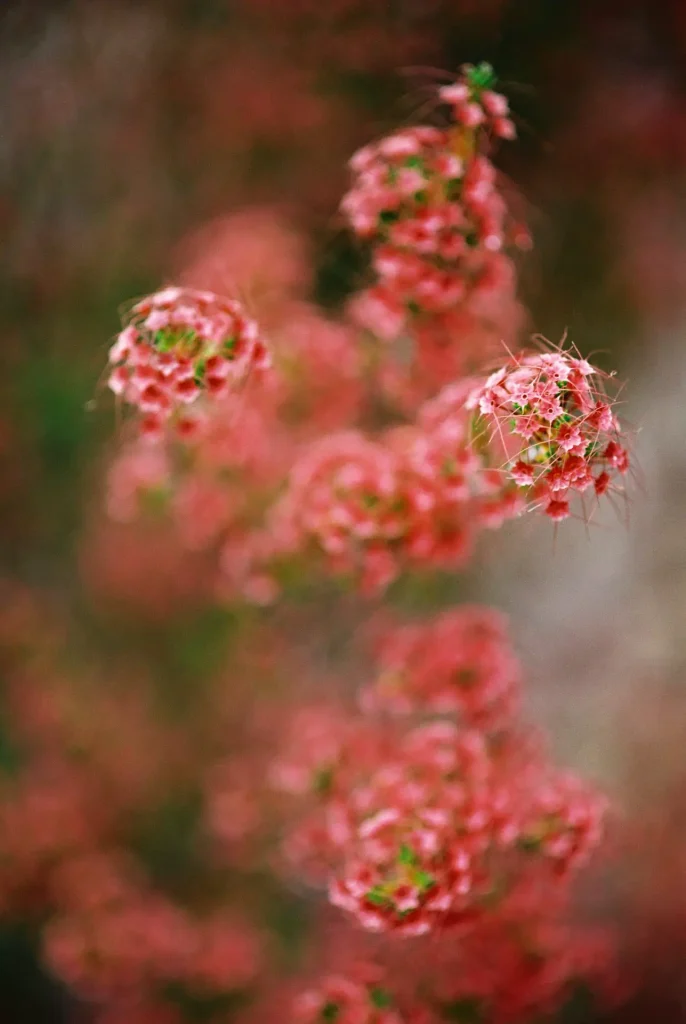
[475, 104]
[417, 829]
[551, 429]
[445, 827]
[93, 767]
[346, 1000]
[427, 827]
[372, 506]
[179, 344]
[416, 495]
[210, 478]
[131, 941]
[460, 662]
[428, 200]
[518, 964]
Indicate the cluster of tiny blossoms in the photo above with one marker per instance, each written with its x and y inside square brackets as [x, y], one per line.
[427, 826]
[374, 506]
[427, 200]
[94, 765]
[443, 830]
[177, 345]
[551, 429]
[416, 495]
[347, 1001]
[455, 835]
[127, 939]
[516, 966]
[460, 662]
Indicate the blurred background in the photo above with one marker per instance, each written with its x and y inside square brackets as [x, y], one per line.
[130, 130]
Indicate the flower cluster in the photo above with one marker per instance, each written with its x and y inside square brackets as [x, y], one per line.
[427, 199]
[460, 662]
[346, 1000]
[519, 964]
[429, 826]
[371, 506]
[551, 429]
[416, 495]
[137, 941]
[474, 103]
[443, 830]
[94, 767]
[177, 345]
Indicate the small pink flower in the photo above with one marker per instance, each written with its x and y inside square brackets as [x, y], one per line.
[557, 509]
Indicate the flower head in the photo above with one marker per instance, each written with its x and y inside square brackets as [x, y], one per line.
[550, 429]
[179, 344]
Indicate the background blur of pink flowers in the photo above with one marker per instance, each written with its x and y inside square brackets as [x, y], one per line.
[205, 142]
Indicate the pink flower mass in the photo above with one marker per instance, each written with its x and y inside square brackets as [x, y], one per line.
[180, 344]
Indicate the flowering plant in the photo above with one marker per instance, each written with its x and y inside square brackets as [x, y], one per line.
[371, 448]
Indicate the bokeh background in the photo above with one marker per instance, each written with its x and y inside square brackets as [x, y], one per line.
[128, 129]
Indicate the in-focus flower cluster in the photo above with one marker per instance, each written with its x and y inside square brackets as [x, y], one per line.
[551, 429]
[178, 344]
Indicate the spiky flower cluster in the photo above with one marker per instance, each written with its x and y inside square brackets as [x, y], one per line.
[178, 344]
[551, 429]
